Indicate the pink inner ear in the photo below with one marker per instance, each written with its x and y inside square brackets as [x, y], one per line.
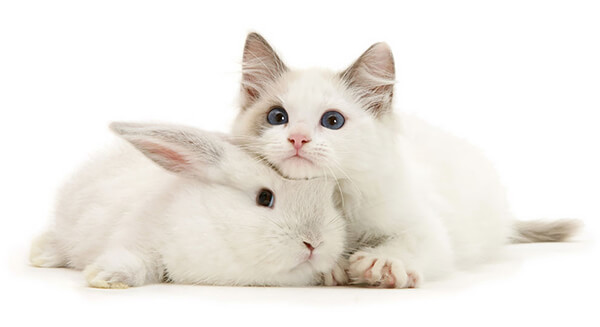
[250, 91]
[165, 156]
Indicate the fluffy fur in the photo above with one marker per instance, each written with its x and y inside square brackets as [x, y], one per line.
[174, 203]
[419, 202]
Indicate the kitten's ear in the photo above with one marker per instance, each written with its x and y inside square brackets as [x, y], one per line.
[179, 149]
[371, 77]
[261, 66]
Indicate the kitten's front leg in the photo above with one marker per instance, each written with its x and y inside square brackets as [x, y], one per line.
[380, 270]
[403, 260]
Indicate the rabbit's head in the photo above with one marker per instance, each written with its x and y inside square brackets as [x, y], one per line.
[237, 214]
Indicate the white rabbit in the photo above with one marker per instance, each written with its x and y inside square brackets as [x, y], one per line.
[208, 213]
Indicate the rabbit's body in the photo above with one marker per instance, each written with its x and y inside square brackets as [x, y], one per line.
[126, 221]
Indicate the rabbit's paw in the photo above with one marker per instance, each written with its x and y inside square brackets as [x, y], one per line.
[337, 276]
[44, 254]
[116, 269]
[99, 278]
[378, 271]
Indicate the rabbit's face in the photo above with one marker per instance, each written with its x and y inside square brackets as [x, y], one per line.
[289, 231]
[276, 231]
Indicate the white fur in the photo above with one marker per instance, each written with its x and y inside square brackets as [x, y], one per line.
[419, 202]
[127, 221]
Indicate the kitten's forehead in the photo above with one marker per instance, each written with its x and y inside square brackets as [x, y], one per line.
[313, 89]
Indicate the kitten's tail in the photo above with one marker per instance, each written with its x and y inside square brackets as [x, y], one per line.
[544, 231]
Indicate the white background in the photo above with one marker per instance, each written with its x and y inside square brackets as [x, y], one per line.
[521, 79]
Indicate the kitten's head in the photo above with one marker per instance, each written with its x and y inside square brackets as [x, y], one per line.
[313, 122]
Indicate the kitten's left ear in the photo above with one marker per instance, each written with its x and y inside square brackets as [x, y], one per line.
[261, 66]
[371, 77]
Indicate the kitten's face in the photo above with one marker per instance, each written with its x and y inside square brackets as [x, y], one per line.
[314, 122]
[303, 143]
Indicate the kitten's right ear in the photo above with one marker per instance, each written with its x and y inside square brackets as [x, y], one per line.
[261, 66]
[371, 77]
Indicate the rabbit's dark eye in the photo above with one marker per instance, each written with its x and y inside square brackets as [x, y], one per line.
[277, 116]
[265, 198]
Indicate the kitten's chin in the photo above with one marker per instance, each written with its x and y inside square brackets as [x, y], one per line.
[299, 168]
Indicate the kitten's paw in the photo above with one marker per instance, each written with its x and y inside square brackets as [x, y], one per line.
[96, 277]
[337, 276]
[378, 271]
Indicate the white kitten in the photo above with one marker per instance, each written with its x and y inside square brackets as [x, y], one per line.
[420, 202]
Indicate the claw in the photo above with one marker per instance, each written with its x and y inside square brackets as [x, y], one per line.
[375, 271]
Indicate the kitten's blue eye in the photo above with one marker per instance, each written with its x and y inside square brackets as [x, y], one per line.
[332, 120]
[277, 116]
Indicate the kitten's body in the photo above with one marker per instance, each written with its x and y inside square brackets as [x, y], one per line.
[407, 188]
[434, 196]
[419, 201]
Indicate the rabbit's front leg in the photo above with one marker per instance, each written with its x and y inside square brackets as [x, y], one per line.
[120, 268]
[337, 276]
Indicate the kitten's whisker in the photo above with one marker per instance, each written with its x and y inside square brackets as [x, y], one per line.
[338, 186]
[338, 167]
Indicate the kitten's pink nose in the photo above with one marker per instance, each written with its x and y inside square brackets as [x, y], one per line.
[298, 140]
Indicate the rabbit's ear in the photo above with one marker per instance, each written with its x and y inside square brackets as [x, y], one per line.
[179, 149]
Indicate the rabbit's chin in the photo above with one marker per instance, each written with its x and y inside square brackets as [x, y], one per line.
[308, 267]
[306, 273]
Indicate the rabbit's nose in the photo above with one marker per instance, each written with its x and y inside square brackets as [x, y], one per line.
[309, 246]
